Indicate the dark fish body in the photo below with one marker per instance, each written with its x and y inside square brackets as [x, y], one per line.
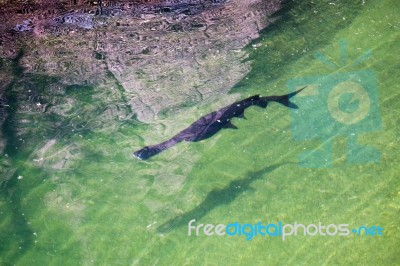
[211, 123]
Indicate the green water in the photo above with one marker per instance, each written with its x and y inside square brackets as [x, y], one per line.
[89, 202]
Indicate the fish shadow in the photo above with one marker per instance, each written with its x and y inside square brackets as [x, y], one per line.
[216, 198]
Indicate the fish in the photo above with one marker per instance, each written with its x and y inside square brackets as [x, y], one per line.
[208, 125]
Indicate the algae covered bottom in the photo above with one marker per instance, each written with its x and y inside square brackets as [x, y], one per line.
[78, 99]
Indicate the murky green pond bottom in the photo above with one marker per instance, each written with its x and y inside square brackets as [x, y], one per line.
[80, 198]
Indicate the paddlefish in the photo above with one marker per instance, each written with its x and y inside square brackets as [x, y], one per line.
[208, 125]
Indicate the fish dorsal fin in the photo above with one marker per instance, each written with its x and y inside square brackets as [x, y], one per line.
[230, 125]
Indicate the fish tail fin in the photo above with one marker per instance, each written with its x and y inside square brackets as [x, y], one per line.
[283, 99]
[149, 151]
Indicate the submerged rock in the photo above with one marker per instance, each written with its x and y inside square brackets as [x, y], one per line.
[164, 54]
[84, 21]
[25, 26]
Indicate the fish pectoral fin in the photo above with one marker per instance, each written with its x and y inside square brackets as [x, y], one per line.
[242, 116]
[230, 125]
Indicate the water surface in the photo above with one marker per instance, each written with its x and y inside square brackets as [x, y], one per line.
[73, 194]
